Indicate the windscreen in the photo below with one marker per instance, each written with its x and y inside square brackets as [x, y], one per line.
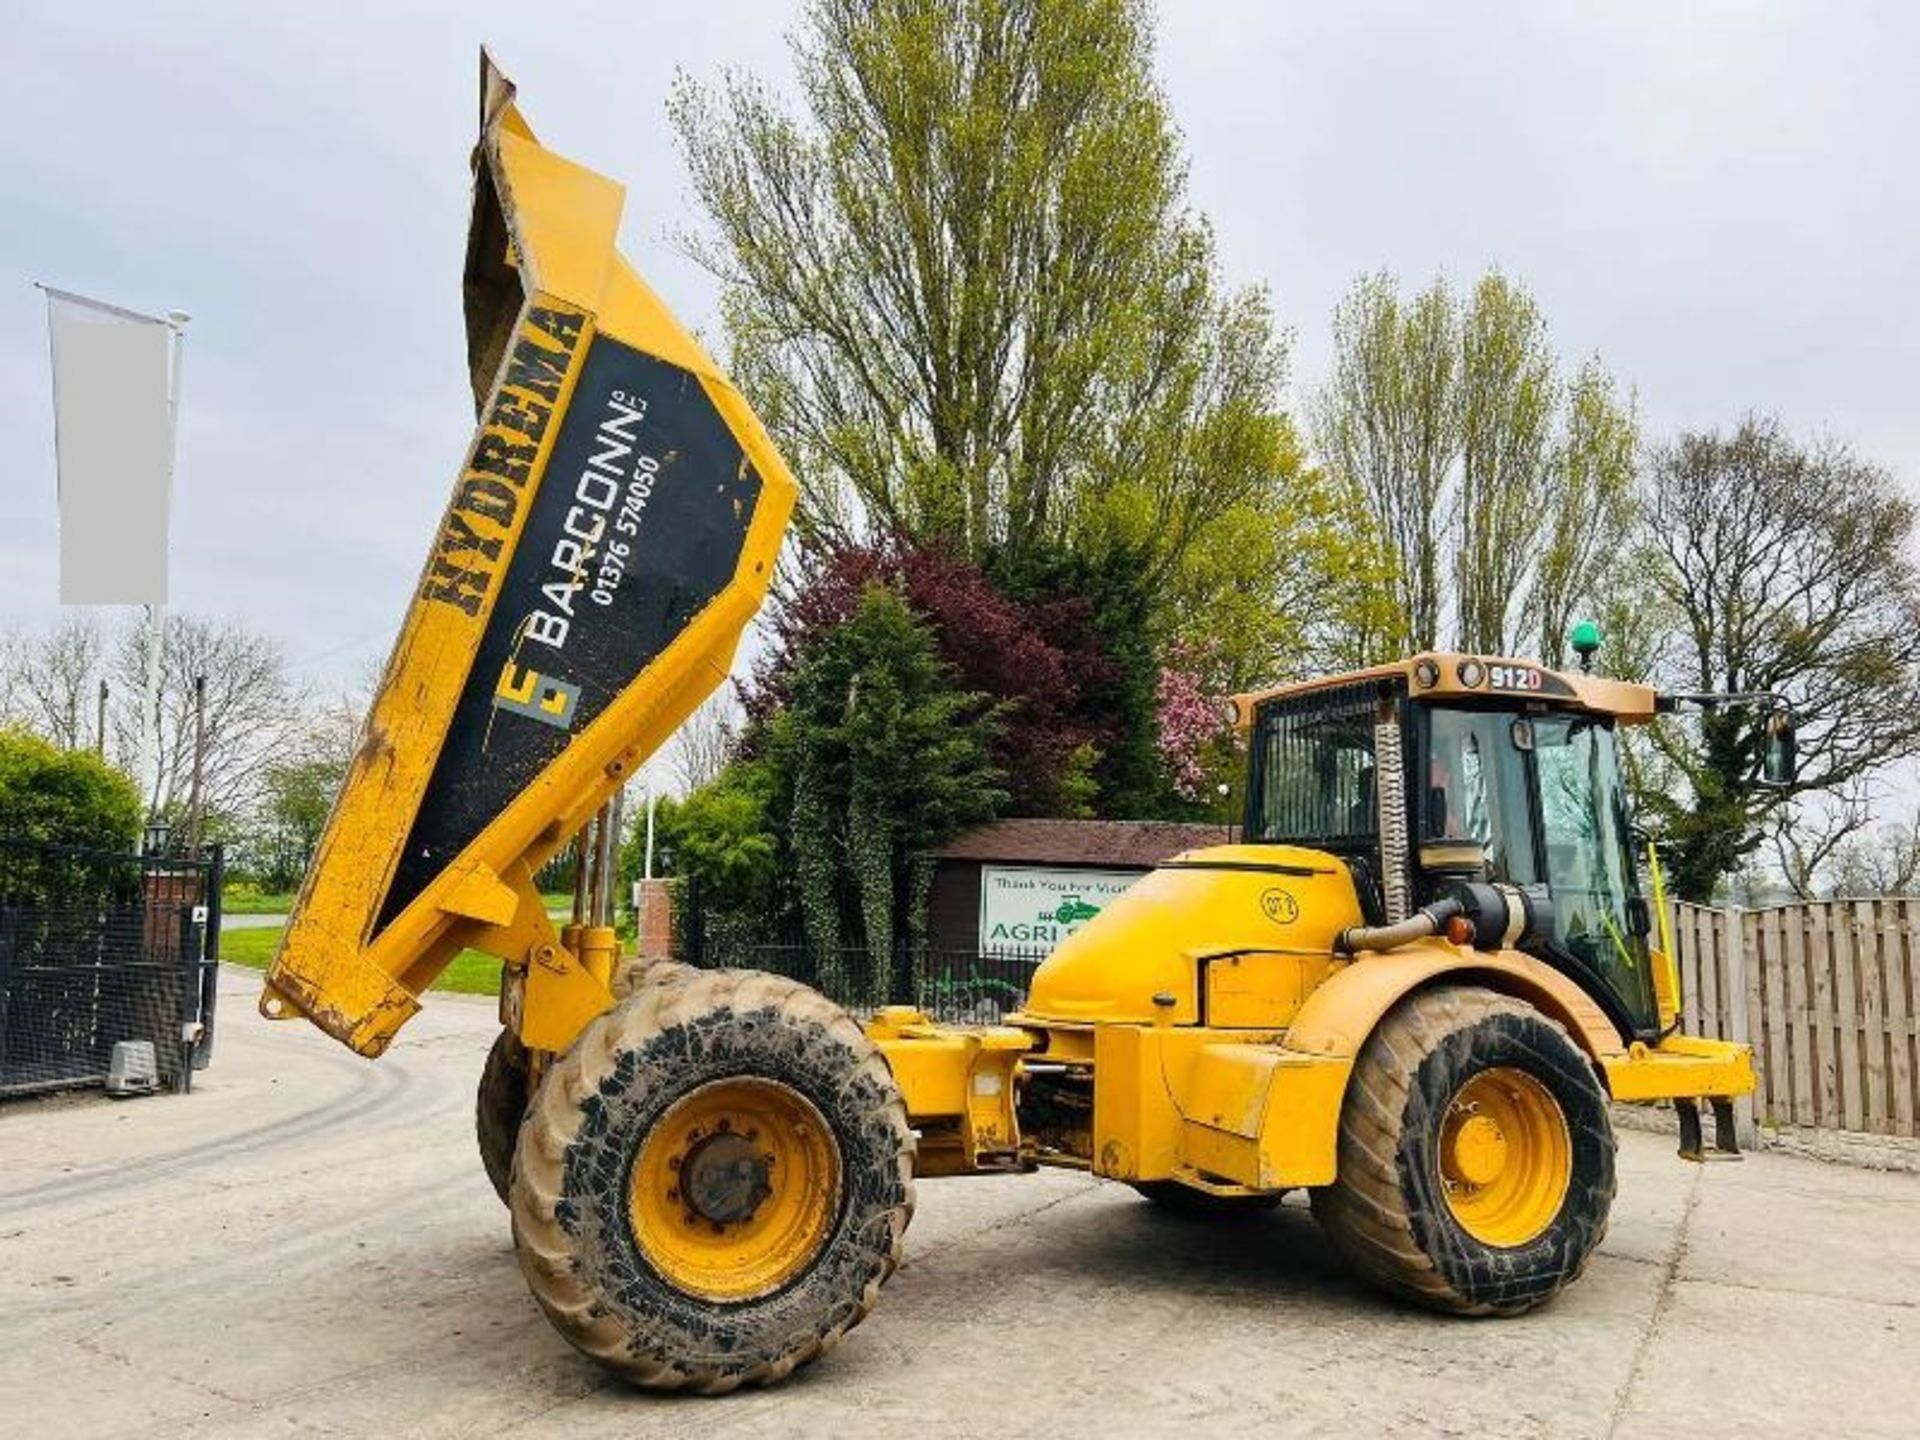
[1588, 856]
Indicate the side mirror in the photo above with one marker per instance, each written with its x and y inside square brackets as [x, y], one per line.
[1779, 758]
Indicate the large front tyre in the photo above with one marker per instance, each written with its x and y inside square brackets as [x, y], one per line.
[1476, 1157]
[713, 1183]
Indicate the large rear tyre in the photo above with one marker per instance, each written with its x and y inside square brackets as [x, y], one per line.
[498, 1105]
[713, 1183]
[1476, 1156]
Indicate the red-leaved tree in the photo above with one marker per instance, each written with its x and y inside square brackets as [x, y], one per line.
[1041, 659]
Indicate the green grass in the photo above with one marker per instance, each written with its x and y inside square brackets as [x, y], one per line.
[471, 973]
[243, 899]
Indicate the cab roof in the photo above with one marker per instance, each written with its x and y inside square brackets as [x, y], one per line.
[1453, 675]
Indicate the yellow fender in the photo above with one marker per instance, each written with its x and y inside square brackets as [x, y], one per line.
[1270, 1116]
[1337, 1018]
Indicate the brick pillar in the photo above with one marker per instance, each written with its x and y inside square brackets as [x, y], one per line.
[654, 919]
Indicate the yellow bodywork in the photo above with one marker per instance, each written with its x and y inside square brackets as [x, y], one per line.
[1214, 1027]
[544, 282]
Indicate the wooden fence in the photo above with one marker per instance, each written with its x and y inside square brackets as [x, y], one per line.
[1828, 993]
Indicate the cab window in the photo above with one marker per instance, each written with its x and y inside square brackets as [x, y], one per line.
[1476, 789]
[1316, 784]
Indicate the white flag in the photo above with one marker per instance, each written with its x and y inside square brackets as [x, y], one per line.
[113, 435]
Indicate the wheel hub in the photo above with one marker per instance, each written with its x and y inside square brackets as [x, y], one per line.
[735, 1188]
[1505, 1157]
[1479, 1150]
[725, 1177]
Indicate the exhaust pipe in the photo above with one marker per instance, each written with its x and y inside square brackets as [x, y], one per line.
[1428, 920]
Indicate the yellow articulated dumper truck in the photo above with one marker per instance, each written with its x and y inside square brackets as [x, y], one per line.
[1411, 990]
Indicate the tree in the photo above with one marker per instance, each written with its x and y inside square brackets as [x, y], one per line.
[1387, 424]
[80, 819]
[64, 797]
[887, 758]
[1786, 566]
[966, 294]
[254, 713]
[53, 681]
[704, 744]
[1300, 587]
[1881, 860]
[1506, 403]
[296, 798]
[1497, 487]
[1097, 611]
[722, 835]
[273, 841]
[1590, 490]
[1059, 643]
[58, 680]
[1191, 723]
[256, 717]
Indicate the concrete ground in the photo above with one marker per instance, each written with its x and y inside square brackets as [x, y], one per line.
[306, 1246]
[251, 922]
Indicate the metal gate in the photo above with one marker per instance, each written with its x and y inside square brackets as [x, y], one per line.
[100, 946]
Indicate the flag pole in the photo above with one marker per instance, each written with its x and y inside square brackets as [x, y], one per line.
[149, 758]
[146, 766]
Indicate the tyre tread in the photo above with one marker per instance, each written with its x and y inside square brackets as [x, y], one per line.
[661, 999]
[1368, 1212]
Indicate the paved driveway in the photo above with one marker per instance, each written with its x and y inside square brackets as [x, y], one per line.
[306, 1246]
[251, 922]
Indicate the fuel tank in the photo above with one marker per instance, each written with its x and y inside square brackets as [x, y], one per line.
[1139, 959]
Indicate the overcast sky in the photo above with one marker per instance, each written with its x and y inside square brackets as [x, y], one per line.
[1721, 202]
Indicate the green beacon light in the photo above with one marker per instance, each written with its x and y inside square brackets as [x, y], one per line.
[1585, 639]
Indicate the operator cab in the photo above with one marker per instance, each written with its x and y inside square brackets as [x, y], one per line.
[1457, 767]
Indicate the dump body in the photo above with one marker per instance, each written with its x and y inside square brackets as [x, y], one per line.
[613, 530]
